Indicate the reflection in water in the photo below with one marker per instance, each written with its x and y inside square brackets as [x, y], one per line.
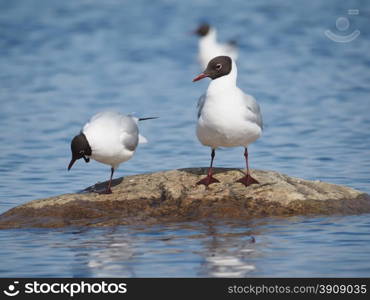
[108, 261]
[221, 251]
[227, 255]
[108, 254]
[295, 247]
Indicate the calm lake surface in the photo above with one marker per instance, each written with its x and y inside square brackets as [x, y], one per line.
[63, 61]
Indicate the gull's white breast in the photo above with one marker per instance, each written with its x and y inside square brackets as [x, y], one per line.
[113, 137]
[226, 121]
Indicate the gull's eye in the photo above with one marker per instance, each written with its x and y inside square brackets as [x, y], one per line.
[218, 67]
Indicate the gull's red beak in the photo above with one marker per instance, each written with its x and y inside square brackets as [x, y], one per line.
[199, 77]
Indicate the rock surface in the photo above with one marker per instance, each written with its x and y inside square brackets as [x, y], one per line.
[174, 196]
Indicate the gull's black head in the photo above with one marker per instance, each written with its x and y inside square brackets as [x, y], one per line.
[203, 29]
[217, 67]
[80, 149]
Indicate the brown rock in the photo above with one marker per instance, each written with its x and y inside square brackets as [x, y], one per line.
[174, 196]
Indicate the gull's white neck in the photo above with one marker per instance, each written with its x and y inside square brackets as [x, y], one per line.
[224, 83]
[209, 38]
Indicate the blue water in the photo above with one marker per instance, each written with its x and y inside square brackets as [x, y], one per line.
[63, 61]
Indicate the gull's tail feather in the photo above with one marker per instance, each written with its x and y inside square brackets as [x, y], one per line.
[142, 139]
[149, 118]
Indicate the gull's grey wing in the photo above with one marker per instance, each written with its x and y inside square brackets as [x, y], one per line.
[130, 133]
[253, 106]
[200, 104]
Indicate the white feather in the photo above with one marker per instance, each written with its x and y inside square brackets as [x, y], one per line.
[113, 137]
[209, 48]
[142, 139]
[227, 116]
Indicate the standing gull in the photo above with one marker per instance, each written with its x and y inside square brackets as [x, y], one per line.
[210, 48]
[227, 117]
[110, 138]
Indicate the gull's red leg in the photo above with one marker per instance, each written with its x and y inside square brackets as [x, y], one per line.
[209, 179]
[247, 179]
[108, 190]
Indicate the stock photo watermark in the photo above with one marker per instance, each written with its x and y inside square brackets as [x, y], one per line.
[68, 288]
[342, 25]
[12, 291]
